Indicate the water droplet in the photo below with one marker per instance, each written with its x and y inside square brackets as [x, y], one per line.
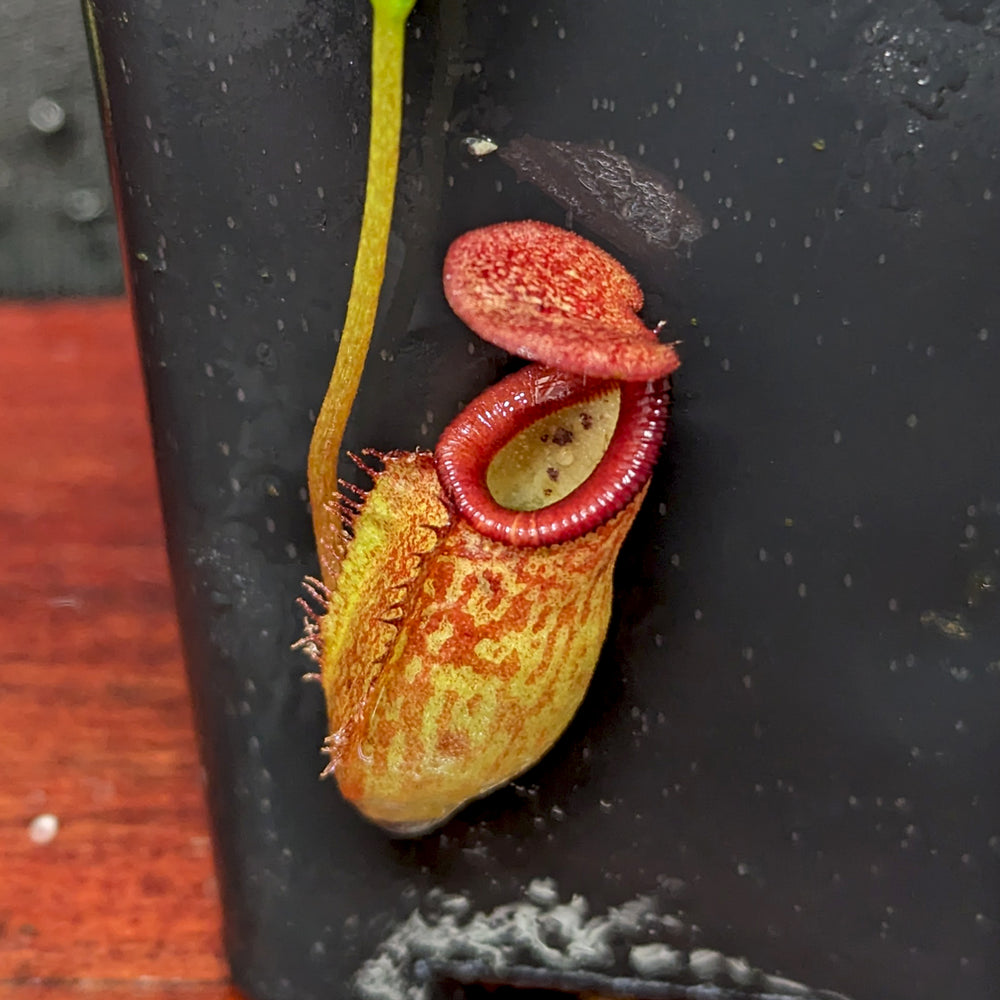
[43, 829]
[46, 116]
[83, 204]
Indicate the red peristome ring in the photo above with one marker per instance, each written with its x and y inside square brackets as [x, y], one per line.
[470, 443]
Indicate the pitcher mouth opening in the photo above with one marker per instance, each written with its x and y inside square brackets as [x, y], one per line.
[556, 454]
[545, 456]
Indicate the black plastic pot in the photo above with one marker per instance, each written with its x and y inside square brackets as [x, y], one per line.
[790, 751]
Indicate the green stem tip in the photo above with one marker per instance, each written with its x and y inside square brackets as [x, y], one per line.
[388, 38]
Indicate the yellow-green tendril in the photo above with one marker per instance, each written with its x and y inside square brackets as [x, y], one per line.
[388, 37]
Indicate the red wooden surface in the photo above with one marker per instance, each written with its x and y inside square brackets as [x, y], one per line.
[95, 726]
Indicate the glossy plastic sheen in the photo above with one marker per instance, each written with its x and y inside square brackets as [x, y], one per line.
[791, 739]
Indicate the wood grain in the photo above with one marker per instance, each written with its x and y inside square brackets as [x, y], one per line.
[93, 706]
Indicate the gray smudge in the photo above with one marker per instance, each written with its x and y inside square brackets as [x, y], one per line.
[631, 950]
[633, 207]
[654, 960]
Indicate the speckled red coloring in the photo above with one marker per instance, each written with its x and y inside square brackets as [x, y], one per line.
[459, 636]
[546, 294]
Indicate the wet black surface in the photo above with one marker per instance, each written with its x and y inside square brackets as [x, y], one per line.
[791, 742]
